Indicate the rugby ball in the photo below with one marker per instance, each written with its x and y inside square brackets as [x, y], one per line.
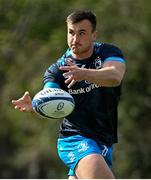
[53, 103]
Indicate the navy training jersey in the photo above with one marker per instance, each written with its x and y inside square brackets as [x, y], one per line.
[95, 114]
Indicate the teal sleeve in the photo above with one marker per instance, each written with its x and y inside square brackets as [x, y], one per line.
[51, 85]
[119, 59]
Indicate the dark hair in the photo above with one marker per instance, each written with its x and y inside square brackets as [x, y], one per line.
[78, 16]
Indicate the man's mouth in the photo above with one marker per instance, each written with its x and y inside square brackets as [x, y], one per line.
[75, 45]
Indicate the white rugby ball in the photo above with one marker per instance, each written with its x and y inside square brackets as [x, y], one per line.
[53, 103]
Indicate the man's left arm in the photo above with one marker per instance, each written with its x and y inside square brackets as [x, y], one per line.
[110, 75]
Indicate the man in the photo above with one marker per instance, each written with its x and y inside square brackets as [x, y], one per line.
[92, 73]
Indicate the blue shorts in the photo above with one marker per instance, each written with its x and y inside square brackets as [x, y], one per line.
[73, 148]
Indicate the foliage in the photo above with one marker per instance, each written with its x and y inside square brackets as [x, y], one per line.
[32, 36]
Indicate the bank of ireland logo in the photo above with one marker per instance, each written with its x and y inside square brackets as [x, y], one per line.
[60, 106]
[98, 63]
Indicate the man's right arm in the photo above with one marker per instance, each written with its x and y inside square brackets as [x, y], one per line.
[24, 104]
[52, 79]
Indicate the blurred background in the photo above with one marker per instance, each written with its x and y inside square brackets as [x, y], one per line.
[32, 36]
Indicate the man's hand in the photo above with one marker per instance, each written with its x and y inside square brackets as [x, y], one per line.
[73, 74]
[23, 104]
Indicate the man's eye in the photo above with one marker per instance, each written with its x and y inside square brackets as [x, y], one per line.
[71, 32]
[82, 33]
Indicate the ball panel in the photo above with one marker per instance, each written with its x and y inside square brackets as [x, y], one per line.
[57, 108]
[53, 103]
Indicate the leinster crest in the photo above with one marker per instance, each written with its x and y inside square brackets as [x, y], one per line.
[98, 63]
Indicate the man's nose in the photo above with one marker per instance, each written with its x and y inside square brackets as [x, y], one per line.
[76, 38]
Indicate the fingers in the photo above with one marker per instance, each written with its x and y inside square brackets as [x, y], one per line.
[23, 104]
[26, 94]
[19, 108]
[65, 68]
[69, 75]
[20, 103]
[26, 97]
[15, 102]
[70, 66]
[72, 83]
[69, 79]
[23, 109]
[16, 107]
